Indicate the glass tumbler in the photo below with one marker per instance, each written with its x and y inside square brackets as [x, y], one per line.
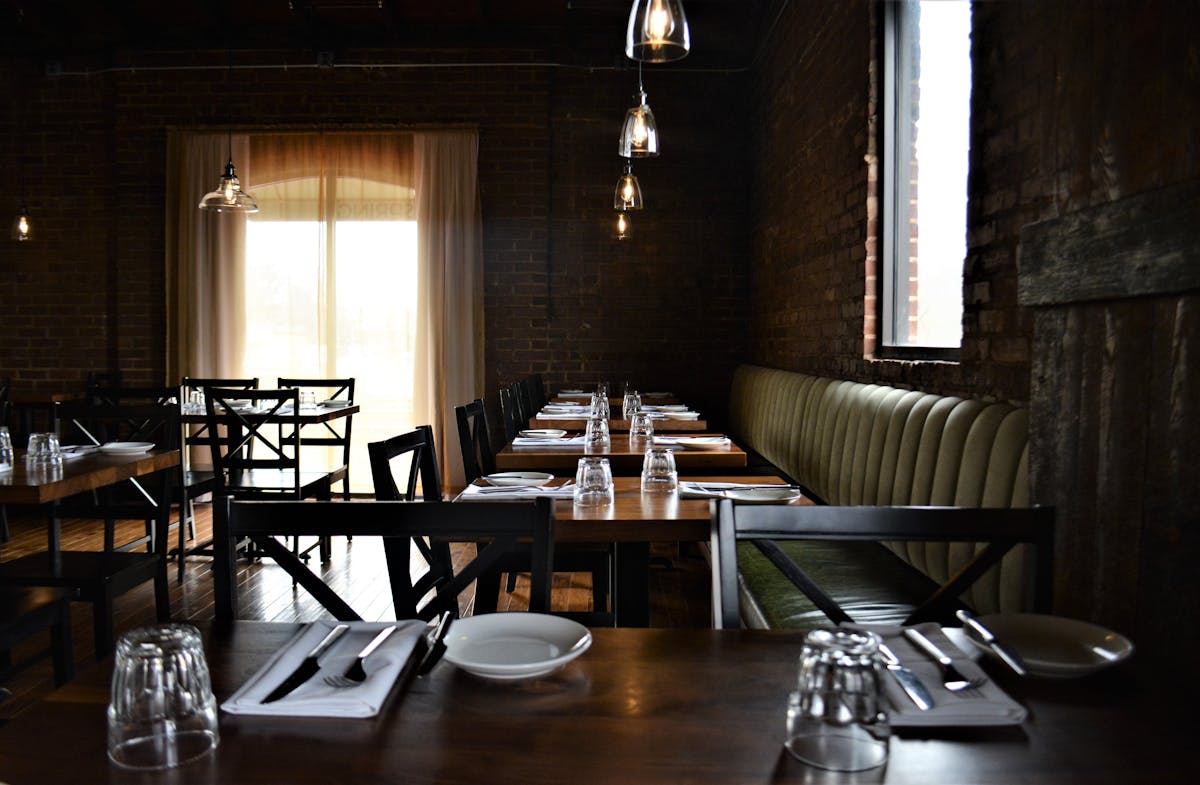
[596, 437]
[162, 712]
[6, 448]
[600, 406]
[837, 717]
[631, 404]
[593, 483]
[658, 471]
[641, 429]
[43, 451]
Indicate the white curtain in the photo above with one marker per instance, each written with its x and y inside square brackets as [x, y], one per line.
[449, 351]
[206, 260]
[206, 268]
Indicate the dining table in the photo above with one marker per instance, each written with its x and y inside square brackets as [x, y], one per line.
[631, 524]
[623, 457]
[647, 706]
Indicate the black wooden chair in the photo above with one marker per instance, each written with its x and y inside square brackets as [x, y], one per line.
[998, 530]
[5, 417]
[415, 453]
[479, 460]
[498, 527]
[254, 439]
[27, 611]
[99, 577]
[335, 434]
[198, 479]
[510, 411]
[535, 393]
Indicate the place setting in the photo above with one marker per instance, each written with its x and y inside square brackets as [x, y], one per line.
[516, 485]
[750, 493]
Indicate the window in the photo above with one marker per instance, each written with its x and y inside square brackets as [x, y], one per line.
[926, 133]
[331, 273]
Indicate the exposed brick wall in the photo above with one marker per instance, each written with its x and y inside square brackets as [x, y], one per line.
[563, 297]
[815, 221]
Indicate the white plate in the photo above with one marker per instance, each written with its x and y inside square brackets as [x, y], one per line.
[704, 442]
[1056, 647]
[519, 478]
[671, 407]
[762, 495]
[544, 433]
[119, 448]
[682, 415]
[334, 404]
[515, 645]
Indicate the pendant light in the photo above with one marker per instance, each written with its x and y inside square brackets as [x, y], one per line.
[639, 134]
[622, 225]
[657, 31]
[22, 231]
[228, 197]
[628, 193]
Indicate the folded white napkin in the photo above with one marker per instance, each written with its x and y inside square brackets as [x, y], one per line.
[74, 451]
[558, 416]
[690, 489]
[540, 441]
[497, 493]
[560, 408]
[315, 698]
[986, 704]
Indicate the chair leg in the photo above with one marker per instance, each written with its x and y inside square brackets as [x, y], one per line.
[102, 622]
[487, 592]
[62, 650]
[3, 523]
[510, 584]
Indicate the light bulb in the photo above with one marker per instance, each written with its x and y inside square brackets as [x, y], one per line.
[659, 22]
[622, 226]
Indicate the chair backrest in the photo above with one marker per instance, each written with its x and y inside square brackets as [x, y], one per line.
[333, 433]
[1000, 529]
[99, 380]
[498, 528]
[118, 395]
[510, 411]
[242, 435]
[423, 466]
[197, 435]
[520, 394]
[536, 390]
[475, 440]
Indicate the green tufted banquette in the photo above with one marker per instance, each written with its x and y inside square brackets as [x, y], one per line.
[850, 443]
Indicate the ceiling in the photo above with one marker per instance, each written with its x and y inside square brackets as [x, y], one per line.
[724, 33]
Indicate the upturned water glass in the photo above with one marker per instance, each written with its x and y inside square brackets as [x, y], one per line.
[593, 482]
[596, 437]
[658, 471]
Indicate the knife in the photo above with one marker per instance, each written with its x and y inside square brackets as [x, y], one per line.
[913, 687]
[988, 638]
[436, 639]
[309, 667]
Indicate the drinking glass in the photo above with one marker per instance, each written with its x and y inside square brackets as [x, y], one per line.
[837, 717]
[641, 429]
[658, 471]
[162, 712]
[43, 451]
[596, 436]
[6, 448]
[600, 406]
[631, 404]
[593, 483]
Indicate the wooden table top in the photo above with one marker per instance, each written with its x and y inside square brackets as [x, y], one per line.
[643, 517]
[691, 706]
[616, 425]
[96, 470]
[624, 460]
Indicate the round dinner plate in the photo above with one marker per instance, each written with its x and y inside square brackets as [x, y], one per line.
[519, 478]
[544, 433]
[515, 645]
[704, 442]
[118, 448]
[762, 495]
[682, 415]
[1056, 647]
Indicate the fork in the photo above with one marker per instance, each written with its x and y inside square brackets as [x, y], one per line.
[355, 674]
[952, 678]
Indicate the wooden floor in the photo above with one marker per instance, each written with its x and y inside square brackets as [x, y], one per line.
[357, 571]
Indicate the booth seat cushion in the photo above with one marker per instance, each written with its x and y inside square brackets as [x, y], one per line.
[851, 443]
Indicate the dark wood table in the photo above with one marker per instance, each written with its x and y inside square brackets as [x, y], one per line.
[640, 706]
[631, 524]
[622, 458]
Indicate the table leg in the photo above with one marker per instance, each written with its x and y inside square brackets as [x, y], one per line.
[224, 574]
[631, 588]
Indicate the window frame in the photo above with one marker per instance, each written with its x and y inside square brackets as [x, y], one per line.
[892, 194]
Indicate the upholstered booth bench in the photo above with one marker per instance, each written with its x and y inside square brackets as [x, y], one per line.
[849, 443]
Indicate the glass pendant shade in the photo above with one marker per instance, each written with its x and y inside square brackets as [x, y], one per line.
[657, 31]
[639, 134]
[229, 196]
[21, 228]
[628, 193]
[622, 226]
